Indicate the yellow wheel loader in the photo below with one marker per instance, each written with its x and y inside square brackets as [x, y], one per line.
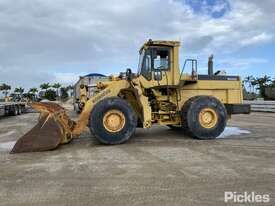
[160, 93]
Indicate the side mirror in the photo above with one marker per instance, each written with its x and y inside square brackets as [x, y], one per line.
[129, 74]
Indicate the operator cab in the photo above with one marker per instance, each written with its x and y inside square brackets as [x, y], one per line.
[154, 60]
[159, 64]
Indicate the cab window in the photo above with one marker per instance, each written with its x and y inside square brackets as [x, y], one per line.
[147, 65]
[161, 58]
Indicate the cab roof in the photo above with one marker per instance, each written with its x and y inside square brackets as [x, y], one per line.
[151, 42]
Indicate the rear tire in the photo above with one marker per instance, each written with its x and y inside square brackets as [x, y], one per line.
[113, 121]
[205, 117]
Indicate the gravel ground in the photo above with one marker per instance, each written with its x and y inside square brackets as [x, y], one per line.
[159, 166]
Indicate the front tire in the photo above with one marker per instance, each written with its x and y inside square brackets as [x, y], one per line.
[206, 117]
[113, 121]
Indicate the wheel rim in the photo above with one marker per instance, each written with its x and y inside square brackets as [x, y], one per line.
[208, 118]
[114, 121]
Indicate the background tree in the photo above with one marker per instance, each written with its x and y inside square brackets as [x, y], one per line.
[29, 96]
[50, 94]
[5, 89]
[70, 90]
[56, 86]
[17, 94]
[45, 86]
[64, 93]
[254, 84]
[262, 83]
[248, 80]
[267, 80]
[32, 94]
[33, 90]
[19, 90]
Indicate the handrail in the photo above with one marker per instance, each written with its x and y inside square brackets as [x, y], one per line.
[194, 63]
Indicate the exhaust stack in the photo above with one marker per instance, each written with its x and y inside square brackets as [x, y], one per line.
[210, 65]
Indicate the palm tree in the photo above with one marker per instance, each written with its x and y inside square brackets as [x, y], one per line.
[70, 89]
[273, 83]
[263, 82]
[5, 89]
[19, 90]
[248, 80]
[19, 93]
[253, 84]
[56, 86]
[33, 93]
[64, 92]
[266, 80]
[45, 86]
[33, 90]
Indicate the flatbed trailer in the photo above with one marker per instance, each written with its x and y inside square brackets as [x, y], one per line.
[12, 108]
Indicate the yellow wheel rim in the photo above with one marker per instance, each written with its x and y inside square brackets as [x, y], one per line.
[208, 118]
[114, 121]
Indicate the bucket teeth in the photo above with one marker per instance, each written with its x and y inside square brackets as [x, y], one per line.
[54, 128]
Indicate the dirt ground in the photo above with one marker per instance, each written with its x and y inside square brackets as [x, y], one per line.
[159, 166]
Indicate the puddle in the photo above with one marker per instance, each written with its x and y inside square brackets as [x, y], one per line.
[232, 131]
[7, 146]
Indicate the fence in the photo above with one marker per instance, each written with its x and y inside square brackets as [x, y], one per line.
[261, 106]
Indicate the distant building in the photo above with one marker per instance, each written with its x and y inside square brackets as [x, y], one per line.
[90, 81]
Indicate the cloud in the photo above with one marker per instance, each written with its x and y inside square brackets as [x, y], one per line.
[213, 8]
[67, 78]
[237, 66]
[257, 39]
[240, 63]
[15, 76]
[54, 40]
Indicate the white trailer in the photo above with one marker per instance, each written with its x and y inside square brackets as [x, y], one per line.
[12, 108]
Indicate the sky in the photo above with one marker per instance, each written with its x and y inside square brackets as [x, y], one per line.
[57, 41]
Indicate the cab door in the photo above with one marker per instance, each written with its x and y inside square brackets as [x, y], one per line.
[157, 66]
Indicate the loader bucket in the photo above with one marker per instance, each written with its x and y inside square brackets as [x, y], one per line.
[53, 128]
